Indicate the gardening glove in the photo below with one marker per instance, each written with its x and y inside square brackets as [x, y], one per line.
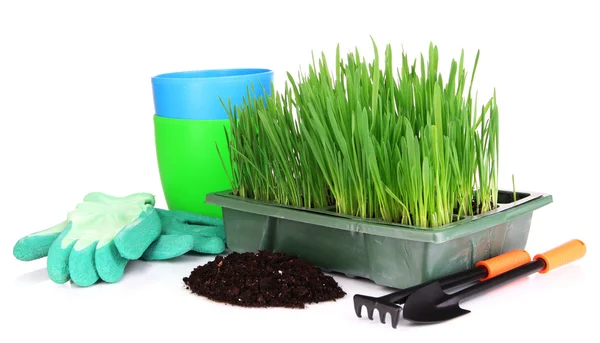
[183, 232]
[97, 239]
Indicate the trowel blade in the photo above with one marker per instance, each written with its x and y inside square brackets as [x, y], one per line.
[431, 305]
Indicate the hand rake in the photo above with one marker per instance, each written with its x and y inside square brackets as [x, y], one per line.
[483, 270]
[431, 304]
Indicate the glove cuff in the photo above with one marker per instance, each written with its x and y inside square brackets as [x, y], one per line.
[134, 198]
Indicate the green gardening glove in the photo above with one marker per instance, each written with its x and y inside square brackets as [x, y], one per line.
[183, 232]
[97, 239]
[104, 232]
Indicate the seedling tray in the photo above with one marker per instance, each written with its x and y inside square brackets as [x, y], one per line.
[392, 255]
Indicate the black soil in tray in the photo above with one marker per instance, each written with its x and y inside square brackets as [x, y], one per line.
[263, 279]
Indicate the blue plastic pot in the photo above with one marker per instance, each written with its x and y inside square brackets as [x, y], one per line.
[197, 94]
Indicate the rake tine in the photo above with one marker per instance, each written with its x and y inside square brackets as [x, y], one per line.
[370, 312]
[382, 315]
[395, 318]
[358, 309]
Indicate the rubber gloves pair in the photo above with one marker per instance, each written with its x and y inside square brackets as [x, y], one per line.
[103, 233]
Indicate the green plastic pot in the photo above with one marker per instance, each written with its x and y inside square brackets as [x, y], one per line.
[189, 163]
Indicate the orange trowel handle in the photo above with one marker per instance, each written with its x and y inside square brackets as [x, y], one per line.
[503, 263]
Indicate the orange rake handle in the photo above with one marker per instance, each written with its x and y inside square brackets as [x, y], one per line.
[566, 253]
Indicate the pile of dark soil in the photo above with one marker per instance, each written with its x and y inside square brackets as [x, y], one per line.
[263, 279]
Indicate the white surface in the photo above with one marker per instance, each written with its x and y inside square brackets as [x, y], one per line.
[76, 107]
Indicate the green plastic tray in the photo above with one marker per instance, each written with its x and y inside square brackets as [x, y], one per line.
[391, 255]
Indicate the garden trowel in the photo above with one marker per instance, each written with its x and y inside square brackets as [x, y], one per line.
[483, 270]
[430, 304]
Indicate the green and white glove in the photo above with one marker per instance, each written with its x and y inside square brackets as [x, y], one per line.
[97, 239]
[183, 232]
[104, 232]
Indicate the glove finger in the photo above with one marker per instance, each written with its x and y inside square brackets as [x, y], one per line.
[209, 245]
[191, 218]
[110, 265]
[37, 245]
[82, 268]
[58, 257]
[196, 230]
[200, 219]
[134, 239]
[169, 246]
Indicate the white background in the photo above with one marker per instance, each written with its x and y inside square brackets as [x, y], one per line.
[76, 107]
